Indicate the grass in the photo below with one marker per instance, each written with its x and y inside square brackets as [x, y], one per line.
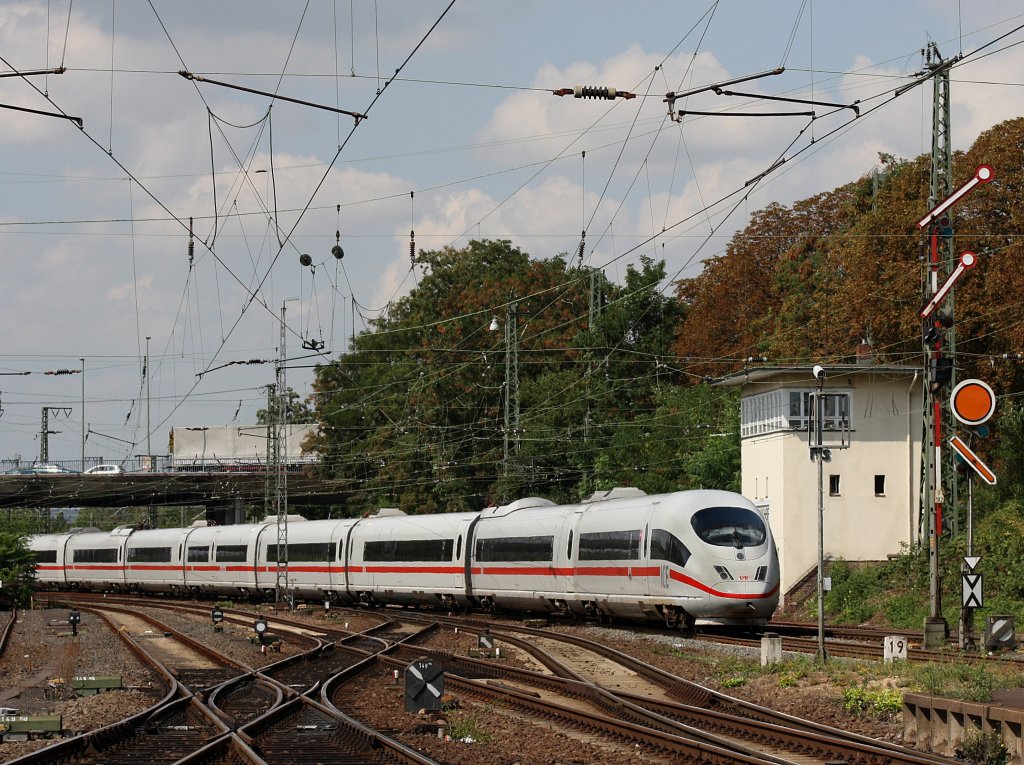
[468, 729]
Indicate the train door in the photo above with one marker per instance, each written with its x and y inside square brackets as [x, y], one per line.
[646, 576]
[338, 582]
[568, 570]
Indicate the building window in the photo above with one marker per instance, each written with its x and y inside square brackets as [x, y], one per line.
[780, 410]
[879, 485]
[833, 486]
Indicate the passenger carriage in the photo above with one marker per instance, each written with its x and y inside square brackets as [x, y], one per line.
[520, 559]
[404, 559]
[94, 560]
[153, 560]
[315, 555]
[220, 559]
[49, 554]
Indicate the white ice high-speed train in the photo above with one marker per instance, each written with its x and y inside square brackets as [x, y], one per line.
[691, 557]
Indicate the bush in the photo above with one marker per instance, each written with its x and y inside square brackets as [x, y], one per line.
[883, 702]
[983, 748]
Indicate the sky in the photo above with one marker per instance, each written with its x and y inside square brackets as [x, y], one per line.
[462, 139]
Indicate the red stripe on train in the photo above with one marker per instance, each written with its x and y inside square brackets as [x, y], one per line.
[718, 593]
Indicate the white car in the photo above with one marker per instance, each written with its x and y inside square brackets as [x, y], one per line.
[105, 470]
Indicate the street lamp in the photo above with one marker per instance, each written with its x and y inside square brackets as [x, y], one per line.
[511, 378]
[819, 405]
[280, 467]
[149, 375]
[83, 414]
[821, 455]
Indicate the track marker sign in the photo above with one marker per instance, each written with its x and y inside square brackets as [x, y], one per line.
[973, 460]
[972, 402]
[972, 561]
[972, 591]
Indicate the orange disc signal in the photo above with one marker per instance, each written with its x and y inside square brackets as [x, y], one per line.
[972, 402]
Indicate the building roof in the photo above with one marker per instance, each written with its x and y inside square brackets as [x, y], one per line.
[766, 373]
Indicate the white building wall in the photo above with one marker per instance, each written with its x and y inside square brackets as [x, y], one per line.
[885, 440]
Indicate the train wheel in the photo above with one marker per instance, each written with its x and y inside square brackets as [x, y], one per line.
[689, 624]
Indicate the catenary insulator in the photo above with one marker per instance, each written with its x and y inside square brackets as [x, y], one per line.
[593, 91]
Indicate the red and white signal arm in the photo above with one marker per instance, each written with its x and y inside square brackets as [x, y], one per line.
[972, 402]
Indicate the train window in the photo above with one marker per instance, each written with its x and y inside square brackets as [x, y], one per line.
[538, 549]
[103, 555]
[568, 549]
[409, 550]
[610, 545]
[729, 527]
[316, 552]
[149, 554]
[666, 546]
[46, 556]
[341, 550]
[198, 555]
[231, 553]
[458, 547]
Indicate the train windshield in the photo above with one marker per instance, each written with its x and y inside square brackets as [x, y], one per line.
[729, 527]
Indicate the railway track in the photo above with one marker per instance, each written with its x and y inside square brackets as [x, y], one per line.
[7, 629]
[581, 686]
[247, 710]
[636, 686]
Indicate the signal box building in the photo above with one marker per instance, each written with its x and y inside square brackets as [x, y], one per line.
[871, 489]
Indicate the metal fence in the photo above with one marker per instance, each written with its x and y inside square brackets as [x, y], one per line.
[139, 464]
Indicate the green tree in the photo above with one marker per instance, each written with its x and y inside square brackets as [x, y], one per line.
[17, 566]
[298, 411]
[414, 416]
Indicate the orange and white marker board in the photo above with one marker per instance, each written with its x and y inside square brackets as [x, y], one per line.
[972, 402]
[973, 460]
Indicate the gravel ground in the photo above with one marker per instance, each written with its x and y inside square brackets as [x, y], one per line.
[477, 733]
[42, 648]
[814, 695]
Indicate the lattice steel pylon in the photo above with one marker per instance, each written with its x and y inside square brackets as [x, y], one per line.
[280, 437]
[511, 384]
[938, 493]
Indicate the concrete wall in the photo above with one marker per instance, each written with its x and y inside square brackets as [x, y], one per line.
[940, 725]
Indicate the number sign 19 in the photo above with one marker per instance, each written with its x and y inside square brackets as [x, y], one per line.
[895, 647]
